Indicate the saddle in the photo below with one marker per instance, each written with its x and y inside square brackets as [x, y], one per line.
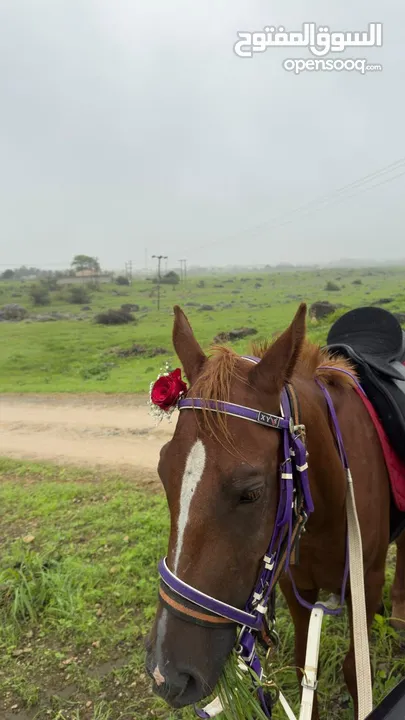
[393, 705]
[373, 340]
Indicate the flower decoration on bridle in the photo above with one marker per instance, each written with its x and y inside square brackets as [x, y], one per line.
[165, 392]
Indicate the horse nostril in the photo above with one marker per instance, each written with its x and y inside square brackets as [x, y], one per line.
[192, 686]
[178, 689]
[192, 690]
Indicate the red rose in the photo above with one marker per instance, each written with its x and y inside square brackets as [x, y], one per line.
[166, 390]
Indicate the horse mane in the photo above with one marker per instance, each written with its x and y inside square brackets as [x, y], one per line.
[224, 365]
[316, 362]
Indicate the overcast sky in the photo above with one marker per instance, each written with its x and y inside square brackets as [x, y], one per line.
[132, 125]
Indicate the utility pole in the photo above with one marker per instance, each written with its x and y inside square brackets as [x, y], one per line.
[128, 271]
[183, 269]
[159, 258]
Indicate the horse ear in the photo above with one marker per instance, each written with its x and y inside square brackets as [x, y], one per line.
[280, 359]
[186, 346]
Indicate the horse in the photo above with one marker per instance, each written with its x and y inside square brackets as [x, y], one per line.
[222, 483]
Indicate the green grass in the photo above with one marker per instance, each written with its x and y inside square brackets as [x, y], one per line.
[78, 589]
[78, 356]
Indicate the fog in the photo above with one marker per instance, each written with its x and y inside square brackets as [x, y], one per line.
[133, 128]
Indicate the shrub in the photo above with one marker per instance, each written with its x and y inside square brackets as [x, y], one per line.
[94, 286]
[331, 286]
[171, 278]
[78, 295]
[114, 317]
[39, 295]
[50, 282]
[13, 312]
[122, 280]
[7, 275]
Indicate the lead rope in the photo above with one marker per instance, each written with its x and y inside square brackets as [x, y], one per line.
[359, 613]
[359, 619]
[360, 630]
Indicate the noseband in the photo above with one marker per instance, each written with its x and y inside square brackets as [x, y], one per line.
[294, 507]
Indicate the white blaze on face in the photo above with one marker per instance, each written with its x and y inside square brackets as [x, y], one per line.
[193, 473]
[158, 677]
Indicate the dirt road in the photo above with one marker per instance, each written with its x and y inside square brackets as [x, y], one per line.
[111, 431]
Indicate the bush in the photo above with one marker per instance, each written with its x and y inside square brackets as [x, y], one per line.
[122, 280]
[7, 275]
[331, 287]
[171, 278]
[78, 295]
[13, 312]
[94, 286]
[51, 283]
[39, 295]
[114, 317]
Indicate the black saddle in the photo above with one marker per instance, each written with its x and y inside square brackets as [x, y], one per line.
[393, 705]
[374, 341]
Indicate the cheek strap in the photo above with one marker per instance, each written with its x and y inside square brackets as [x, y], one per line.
[175, 604]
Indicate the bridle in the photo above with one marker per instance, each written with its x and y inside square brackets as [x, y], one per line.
[257, 619]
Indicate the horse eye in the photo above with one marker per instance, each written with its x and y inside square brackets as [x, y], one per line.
[252, 496]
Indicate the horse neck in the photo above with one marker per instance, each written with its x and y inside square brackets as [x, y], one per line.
[326, 473]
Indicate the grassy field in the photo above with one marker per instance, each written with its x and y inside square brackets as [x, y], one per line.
[78, 588]
[79, 549]
[74, 355]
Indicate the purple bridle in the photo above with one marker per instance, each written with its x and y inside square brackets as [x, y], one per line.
[294, 507]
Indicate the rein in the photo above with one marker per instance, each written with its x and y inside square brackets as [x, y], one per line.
[294, 508]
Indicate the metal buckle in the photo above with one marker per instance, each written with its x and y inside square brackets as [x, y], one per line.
[239, 651]
[239, 648]
[274, 637]
[309, 685]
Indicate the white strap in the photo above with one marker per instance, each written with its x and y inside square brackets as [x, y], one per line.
[309, 680]
[360, 633]
[286, 707]
[213, 708]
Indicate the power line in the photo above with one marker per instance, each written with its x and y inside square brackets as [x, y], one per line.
[318, 203]
[347, 197]
[33, 265]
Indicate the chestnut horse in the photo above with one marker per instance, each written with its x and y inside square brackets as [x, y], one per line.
[220, 475]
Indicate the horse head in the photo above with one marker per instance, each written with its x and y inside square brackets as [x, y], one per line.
[220, 476]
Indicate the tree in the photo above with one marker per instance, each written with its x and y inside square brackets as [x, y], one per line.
[7, 275]
[85, 262]
[171, 278]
